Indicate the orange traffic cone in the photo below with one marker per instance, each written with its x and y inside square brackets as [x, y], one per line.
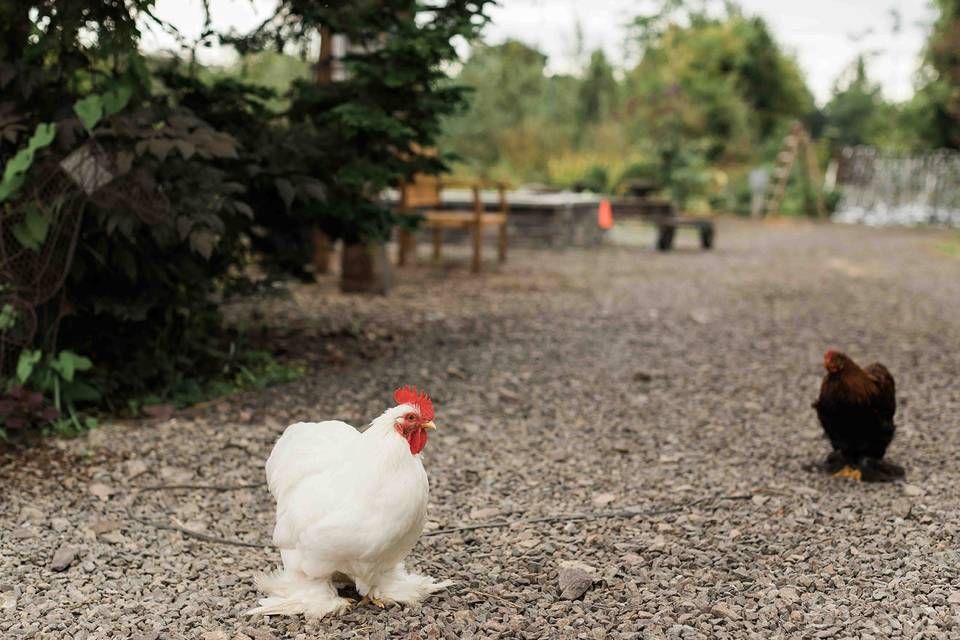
[605, 214]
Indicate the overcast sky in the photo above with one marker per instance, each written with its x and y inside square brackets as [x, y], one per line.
[824, 35]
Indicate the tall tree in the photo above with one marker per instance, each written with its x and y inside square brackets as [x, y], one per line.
[856, 113]
[737, 86]
[942, 67]
[771, 81]
[598, 89]
[507, 99]
[707, 89]
[374, 126]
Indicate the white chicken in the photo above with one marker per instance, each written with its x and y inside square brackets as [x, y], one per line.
[351, 506]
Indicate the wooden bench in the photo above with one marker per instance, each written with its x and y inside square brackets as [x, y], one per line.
[424, 196]
[667, 228]
[663, 215]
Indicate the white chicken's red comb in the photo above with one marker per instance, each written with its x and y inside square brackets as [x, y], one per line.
[410, 395]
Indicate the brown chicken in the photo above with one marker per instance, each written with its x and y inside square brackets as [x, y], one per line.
[856, 408]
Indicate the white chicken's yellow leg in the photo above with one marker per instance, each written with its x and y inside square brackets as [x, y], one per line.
[849, 472]
[377, 602]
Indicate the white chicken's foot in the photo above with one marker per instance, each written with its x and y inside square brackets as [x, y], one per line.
[406, 588]
[292, 593]
[377, 602]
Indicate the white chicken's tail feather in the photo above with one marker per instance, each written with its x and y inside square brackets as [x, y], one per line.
[292, 593]
[407, 588]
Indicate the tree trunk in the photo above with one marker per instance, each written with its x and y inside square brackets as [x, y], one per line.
[365, 268]
[322, 248]
[324, 68]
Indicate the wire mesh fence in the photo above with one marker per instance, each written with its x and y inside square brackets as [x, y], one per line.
[884, 189]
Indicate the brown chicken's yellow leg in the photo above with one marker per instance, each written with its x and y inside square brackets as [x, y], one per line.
[849, 472]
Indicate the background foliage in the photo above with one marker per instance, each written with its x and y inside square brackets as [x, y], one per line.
[214, 175]
[705, 94]
[710, 97]
[372, 128]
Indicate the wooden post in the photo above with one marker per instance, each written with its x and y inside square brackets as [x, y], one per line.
[324, 70]
[322, 245]
[505, 210]
[437, 243]
[477, 229]
[405, 239]
[365, 267]
[407, 247]
[814, 176]
[322, 248]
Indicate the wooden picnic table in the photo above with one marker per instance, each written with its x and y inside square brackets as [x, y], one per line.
[555, 219]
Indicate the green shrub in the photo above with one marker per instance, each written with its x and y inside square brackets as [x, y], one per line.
[155, 246]
[831, 199]
[207, 178]
[274, 163]
[596, 179]
[648, 172]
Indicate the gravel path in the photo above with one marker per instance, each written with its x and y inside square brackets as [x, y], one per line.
[614, 379]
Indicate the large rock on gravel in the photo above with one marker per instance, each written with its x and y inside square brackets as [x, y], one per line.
[8, 597]
[30, 514]
[59, 524]
[913, 490]
[63, 558]
[576, 578]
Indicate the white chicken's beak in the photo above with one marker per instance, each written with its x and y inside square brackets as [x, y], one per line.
[428, 425]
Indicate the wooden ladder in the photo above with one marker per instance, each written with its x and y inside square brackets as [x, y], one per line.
[797, 138]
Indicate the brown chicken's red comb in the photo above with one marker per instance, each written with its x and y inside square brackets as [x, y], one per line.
[410, 395]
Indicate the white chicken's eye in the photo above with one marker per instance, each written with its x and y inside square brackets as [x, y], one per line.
[411, 417]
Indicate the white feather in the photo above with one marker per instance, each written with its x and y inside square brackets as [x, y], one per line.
[304, 448]
[348, 503]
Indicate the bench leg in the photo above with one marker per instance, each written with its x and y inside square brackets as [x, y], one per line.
[502, 247]
[412, 247]
[406, 246]
[477, 247]
[706, 237]
[437, 244]
[665, 238]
